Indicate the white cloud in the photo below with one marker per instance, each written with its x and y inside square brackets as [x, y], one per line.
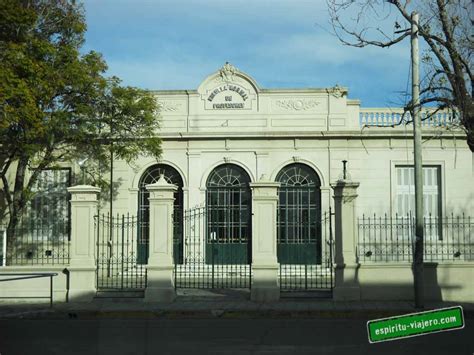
[326, 49]
[160, 44]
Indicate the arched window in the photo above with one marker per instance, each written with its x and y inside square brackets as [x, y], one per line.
[150, 176]
[299, 215]
[228, 215]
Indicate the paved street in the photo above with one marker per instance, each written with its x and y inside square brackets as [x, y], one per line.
[130, 335]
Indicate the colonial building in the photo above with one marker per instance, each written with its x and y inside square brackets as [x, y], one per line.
[290, 135]
[223, 139]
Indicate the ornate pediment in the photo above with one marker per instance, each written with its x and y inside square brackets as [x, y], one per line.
[227, 72]
[228, 89]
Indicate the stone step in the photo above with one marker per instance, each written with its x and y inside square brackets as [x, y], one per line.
[120, 294]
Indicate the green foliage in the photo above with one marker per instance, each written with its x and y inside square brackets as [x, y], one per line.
[56, 104]
[124, 120]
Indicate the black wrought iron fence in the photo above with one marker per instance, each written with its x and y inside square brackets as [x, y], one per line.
[305, 251]
[391, 239]
[118, 267]
[212, 256]
[37, 242]
[3, 245]
[43, 233]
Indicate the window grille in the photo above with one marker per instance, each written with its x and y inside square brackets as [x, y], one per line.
[228, 205]
[299, 205]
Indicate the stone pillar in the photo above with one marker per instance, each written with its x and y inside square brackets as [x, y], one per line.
[82, 254]
[346, 266]
[265, 285]
[160, 281]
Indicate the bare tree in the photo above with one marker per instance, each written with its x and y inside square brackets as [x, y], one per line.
[446, 26]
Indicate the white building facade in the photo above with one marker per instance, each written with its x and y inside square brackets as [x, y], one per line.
[230, 120]
[276, 189]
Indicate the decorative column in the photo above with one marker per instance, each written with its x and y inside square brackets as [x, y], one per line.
[82, 264]
[265, 285]
[346, 266]
[160, 282]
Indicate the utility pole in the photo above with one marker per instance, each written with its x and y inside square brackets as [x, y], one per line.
[111, 191]
[418, 252]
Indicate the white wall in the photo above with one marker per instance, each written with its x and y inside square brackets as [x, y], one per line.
[370, 161]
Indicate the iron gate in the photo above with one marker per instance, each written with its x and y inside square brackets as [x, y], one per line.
[214, 256]
[117, 248]
[306, 253]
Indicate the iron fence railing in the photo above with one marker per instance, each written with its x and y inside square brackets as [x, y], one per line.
[43, 233]
[306, 264]
[36, 242]
[3, 245]
[212, 256]
[29, 276]
[391, 239]
[118, 246]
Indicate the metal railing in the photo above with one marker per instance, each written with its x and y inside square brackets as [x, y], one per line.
[118, 250]
[28, 276]
[306, 264]
[38, 243]
[391, 239]
[213, 256]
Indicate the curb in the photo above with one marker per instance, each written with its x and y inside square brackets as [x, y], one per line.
[206, 314]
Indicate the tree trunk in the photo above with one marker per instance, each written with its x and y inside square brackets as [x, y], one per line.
[468, 123]
[470, 139]
[11, 239]
[17, 207]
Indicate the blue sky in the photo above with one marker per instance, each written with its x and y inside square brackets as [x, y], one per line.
[175, 44]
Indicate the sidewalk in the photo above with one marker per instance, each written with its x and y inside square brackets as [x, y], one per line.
[216, 305]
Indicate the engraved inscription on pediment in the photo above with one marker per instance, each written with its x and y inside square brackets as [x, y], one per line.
[228, 96]
[228, 89]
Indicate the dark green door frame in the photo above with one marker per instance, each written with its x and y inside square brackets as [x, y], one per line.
[228, 202]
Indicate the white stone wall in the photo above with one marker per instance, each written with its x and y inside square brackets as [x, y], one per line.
[27, 290]
[276, 127]
[370, 161]
[450, 282]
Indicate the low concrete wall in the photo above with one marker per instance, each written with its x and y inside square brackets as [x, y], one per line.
[22, 290]
[445, 281]
[394, 281]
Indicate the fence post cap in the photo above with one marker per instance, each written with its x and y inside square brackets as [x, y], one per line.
[344, 183]
[83, 189]
[161, 184]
